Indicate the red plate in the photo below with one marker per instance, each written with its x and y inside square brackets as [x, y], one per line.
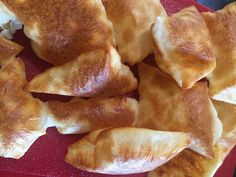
[46, 156]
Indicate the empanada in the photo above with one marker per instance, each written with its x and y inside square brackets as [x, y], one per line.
[22, 117]
[132, 20]
[125, 150]
[62, 30]
[188, 163]
[82, 116]
[97, 73]
[183, 46]
[222, 27]
[166, 106]
[8, 50]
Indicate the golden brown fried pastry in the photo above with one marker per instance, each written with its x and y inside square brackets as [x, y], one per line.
[222, 25]
[8, 50]
[125, 150]
[132, 22]
[184, 48]
[166, 106]
[82, 116]
[189, 163]
[62, 30]
[22, 117]
[97, 73]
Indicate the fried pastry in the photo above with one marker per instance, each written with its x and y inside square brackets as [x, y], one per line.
[166, 106]
[8, 50]
[222, 25]
[183, 46]
[62, 30]
[189, 163]
[82, 116]
[97, 73]
[125, 150]
[22, 117]
[132, 22]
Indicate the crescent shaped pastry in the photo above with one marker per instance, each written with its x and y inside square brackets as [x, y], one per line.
[125, 150]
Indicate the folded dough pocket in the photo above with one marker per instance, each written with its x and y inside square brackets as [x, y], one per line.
[125, 150]
[222, 25]
[82, 116]
[97, 73]
[166, 106]
[183, 46]
[62, 30]
[132, 21]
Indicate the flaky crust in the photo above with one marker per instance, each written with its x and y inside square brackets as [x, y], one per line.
[132, 22]
[62, 30]
[166, 106]
[222, 25]
[8, 50]
[125, 150]
[82, 116]
[98, 73]
[183, 46]
[22, 117]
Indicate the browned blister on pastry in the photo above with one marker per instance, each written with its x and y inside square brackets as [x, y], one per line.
[166, 106]
[183, 46]
[191, 164]
[97, 73]
[62, 30]
[222, 25]
[22, 117]
[82, 116]
[132, 22]
[125, 150]
[8, 50]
